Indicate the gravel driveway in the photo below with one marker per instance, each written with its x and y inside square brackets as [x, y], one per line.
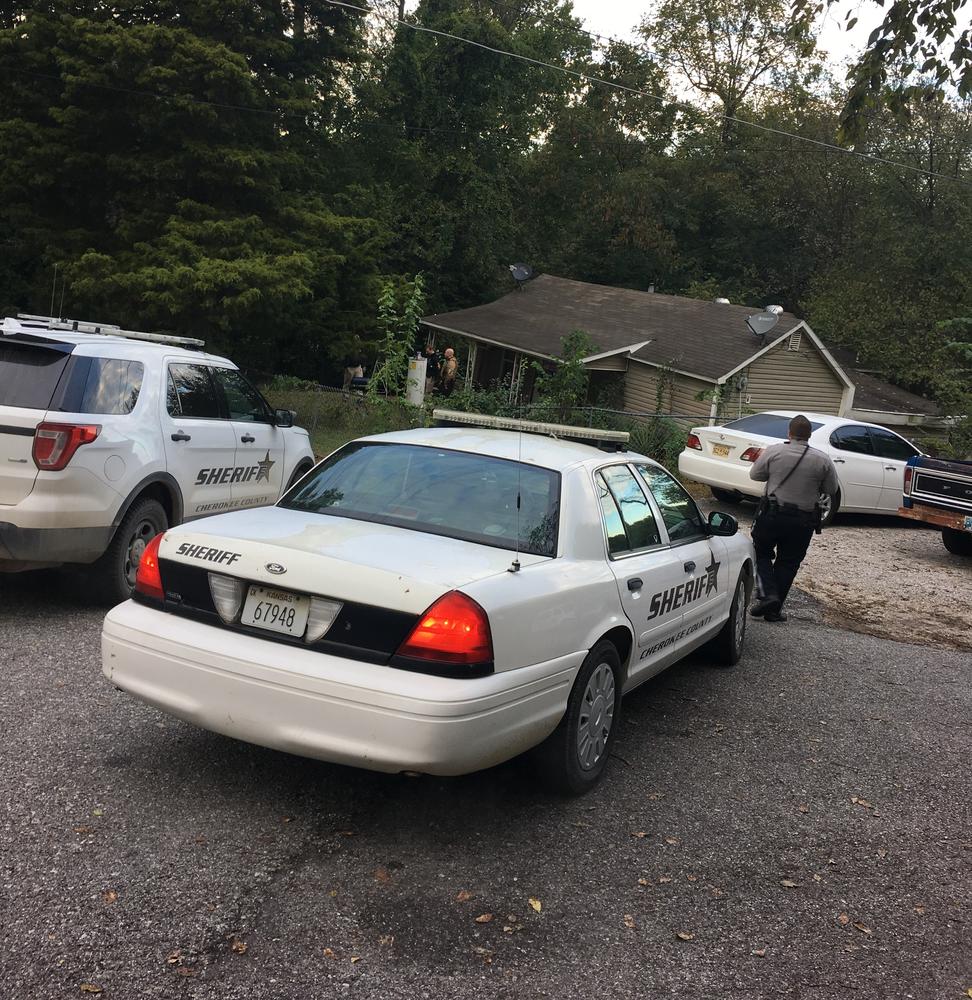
[798, 827]
[884, 576]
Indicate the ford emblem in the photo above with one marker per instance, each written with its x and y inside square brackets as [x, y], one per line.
[276, 568]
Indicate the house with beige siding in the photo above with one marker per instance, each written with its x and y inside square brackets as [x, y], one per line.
[693, 359]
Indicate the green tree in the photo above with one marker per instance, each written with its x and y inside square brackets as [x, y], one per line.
[400, 305]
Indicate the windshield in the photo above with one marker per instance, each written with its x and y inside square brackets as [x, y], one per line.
[441, 492]
[768, 424]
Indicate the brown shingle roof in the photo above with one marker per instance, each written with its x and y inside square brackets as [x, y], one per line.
[691, 335]
[872, 393]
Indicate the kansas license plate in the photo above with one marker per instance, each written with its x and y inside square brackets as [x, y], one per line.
[720, 450]
[276, 611]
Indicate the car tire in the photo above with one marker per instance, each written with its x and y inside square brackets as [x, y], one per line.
[573, 758]
[959, 543]
[113, 575]
[725, 496]
[728, 645]
[298, 473]
[830, 512]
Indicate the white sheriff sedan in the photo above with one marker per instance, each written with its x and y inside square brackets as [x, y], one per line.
[437, 600]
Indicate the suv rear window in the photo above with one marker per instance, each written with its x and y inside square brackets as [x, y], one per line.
[29, 375]
[100, 385]
[768, 424]
[437, 491]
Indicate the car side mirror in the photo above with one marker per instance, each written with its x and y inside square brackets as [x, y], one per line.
[722, 524]
[283, 418]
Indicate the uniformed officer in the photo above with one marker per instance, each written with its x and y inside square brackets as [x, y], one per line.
[795, 475]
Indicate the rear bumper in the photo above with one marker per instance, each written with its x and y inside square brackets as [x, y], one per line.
[718, 472]
[317, 705]
[957, 520]
[22, 547]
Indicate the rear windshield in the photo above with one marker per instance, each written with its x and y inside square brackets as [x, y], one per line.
[99, 385]
[437, 491]
[29, 375]
[767, 424]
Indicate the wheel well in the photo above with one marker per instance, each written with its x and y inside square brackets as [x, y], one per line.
[163, 493]
[622, 641]
[749, 573]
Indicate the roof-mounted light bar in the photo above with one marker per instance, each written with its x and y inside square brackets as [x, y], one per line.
[604, 439]
[29, 322]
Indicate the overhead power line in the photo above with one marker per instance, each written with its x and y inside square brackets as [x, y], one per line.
[600, 81]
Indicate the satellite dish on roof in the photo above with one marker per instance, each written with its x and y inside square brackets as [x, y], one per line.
[760, 324]
[775, 310]
[522, 273]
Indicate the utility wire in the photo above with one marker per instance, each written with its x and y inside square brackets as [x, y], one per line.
[600, 81]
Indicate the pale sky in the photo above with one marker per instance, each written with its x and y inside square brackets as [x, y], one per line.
[617, 18]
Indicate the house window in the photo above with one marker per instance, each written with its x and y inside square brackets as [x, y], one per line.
[794, 342]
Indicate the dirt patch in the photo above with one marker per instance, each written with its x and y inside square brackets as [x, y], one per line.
[885, 576]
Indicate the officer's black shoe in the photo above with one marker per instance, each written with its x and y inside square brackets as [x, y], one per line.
[765, 606]
[776, 616]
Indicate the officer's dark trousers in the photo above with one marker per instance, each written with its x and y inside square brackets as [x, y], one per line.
[781, 542]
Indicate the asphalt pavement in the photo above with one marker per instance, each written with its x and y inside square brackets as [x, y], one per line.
[797, 827]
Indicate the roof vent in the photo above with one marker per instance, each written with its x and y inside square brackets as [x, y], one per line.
[721, 302]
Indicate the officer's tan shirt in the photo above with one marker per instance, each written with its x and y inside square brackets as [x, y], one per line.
[816, 474]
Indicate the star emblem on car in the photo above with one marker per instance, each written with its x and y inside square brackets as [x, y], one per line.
[264, 468]
[712, 576]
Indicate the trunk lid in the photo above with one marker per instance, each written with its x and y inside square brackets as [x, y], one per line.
[337, 557]
[17, 470]
[728, 445]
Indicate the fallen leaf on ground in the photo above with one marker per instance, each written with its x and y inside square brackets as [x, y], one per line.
[716, 891]
[882, 852]
[789, 884]
[803, 809]
[692, 878]
[920, 910]
[629, 921]
[239, 946]
[843, 920]
[684, 936]
[759, 952]
[381, 875]
[185, 970]
[665, 878]
[286, 819]
[643, 881]
[484, 918]
[174, 957]
[344, 833]
[91, 988]
[507, 929]
[109, 896]
[655, 796]
[463, 896]
[512, 918]
[97, 812]
[332, 893]
[200, 840]
[536, 904]
[817, 878]
[671, 840]
[861, 802]
[329, 953]
[862, 927]
[355, 958]
[852, 947]
[640, 834]
[485, 954]
[83, 829]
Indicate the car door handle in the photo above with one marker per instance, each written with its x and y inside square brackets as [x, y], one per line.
[891, 468]
[248, 439]
[636, 583]
[841, 460]
[689, 567]
[181, 436]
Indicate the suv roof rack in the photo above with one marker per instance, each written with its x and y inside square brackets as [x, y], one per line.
[603, 439]
[27, 321]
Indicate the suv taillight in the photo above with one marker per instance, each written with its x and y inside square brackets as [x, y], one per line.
[750, 454]
[148, 578]
[55, 444]
[909, 474]
[454, 630]
[692, 441]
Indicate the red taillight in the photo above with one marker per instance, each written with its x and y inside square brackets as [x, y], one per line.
[55, 444]
[148, 579]
[454, 630]
[909, 473]
[692, 441]
[750, 454]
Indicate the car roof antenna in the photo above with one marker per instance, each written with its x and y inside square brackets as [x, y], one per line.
[515, 568]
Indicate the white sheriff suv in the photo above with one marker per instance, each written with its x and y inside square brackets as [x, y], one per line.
[437, 600]
[108, 436]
